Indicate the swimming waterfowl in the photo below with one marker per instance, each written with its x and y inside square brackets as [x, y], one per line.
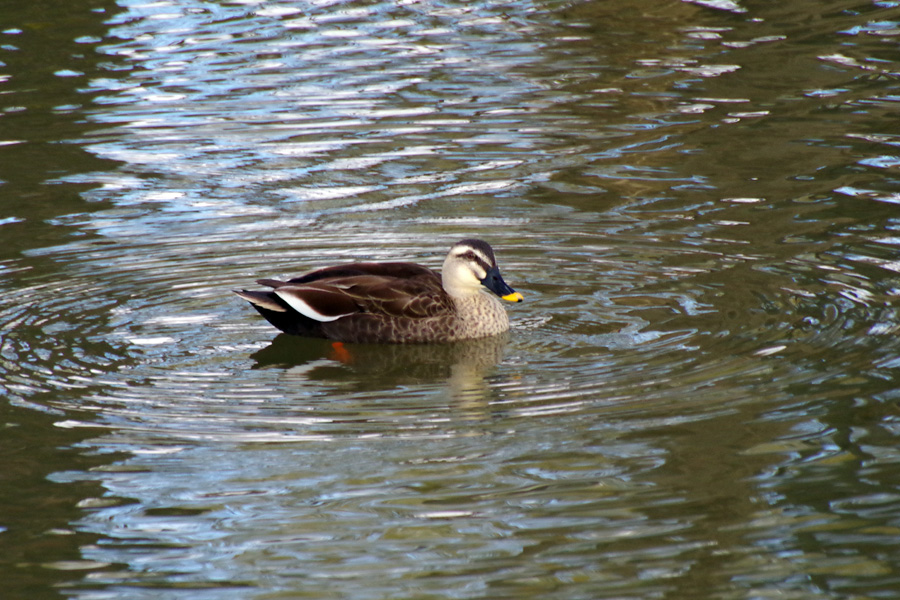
[392, 302]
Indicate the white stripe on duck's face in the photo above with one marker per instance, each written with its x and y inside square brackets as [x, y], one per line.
[465, 267]
[474, 250]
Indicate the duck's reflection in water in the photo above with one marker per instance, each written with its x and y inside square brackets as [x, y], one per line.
[464, 366]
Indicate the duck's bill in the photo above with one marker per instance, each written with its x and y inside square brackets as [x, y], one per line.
[495, 283]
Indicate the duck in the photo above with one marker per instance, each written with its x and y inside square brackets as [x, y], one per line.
[393, 302]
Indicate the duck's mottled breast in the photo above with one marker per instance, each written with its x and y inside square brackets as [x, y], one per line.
[479, 316]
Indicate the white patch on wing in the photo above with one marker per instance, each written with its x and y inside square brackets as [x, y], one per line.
[305, 309]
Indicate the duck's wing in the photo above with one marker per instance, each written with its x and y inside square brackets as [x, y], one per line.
[386, 290]
[401, 298]
[322, 303]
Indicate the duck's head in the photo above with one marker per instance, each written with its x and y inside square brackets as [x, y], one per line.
[470, 266]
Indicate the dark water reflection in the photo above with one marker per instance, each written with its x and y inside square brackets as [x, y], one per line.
[697, 399]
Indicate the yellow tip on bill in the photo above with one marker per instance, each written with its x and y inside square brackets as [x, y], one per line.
[514, 297]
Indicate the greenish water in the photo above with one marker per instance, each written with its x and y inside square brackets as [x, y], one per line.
[697, 398]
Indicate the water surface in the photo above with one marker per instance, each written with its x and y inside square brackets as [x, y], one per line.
[697, 399]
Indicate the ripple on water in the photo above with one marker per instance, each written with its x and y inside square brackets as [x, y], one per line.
[151, 336]
[145, 327]
[148, 332]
